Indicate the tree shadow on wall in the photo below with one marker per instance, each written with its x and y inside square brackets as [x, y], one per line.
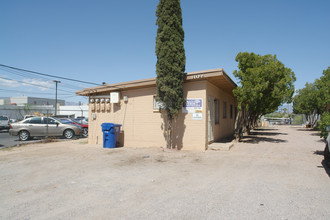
[178, 129]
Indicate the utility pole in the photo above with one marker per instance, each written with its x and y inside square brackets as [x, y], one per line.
[56, 82]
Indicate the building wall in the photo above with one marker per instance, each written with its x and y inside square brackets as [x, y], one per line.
[5, 101]
[143, 126]
[23, 100]
[81, 110]
[226, 126]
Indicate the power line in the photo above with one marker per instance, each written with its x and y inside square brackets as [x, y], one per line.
[43, 74]
[16, 72]
[33, 84]
[20, 91]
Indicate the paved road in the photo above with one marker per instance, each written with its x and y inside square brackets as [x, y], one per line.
[7, 140]
[275, 173]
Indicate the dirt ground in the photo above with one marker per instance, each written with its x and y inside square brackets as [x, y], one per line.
[276, 173]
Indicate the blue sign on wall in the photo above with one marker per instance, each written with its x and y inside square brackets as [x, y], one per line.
[193, 106]
[193, 103]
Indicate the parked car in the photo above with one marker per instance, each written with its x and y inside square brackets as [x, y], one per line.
[41, 127]
[29, 116]
[4, 122]
[12, 121]
[326, 150]
[84, 126]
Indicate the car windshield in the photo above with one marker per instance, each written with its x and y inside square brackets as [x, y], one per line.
[4, 118]
[65, 121]
[80, 121]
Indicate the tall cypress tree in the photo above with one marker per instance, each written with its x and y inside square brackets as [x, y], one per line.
[171, 60]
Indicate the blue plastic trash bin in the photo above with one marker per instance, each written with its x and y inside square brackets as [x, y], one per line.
[110, 134]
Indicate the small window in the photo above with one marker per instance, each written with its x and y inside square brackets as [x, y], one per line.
[35, 120]
[216, 111]
[49, 121]
[224, 110]
[231, 111]
[4, 118]
[157, 104]
[27, 121]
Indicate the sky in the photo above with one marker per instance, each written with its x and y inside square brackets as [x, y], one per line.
[114, 41]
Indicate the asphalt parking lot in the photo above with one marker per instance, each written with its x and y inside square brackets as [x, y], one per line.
[7, 140]
[275, 173]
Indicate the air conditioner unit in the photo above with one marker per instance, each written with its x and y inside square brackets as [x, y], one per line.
[114, 97]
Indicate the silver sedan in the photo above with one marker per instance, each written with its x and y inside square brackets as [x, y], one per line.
[41, 127]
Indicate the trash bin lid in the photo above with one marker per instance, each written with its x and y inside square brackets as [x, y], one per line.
[107, 126]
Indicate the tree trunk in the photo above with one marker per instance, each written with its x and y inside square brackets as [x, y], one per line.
[238, 125]
[169, 134]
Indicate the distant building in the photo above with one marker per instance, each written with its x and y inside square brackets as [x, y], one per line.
[4, 101]
[34, 101]
[77, 111]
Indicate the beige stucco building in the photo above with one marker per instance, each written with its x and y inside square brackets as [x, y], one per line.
[208, 115]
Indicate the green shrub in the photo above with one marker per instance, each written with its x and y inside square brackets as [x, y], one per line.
[323, 123]
[298, 119]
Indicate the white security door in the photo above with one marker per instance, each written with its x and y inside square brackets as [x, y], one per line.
[210, 118]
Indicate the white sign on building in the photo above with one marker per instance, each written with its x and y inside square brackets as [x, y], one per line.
[193, 106]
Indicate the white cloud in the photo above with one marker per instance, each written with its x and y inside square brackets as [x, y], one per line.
[37, 84]
[44, 85]
[8, 83]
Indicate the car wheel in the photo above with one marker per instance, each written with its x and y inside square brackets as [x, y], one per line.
[24, 135]
[327, 156]
[68, 134]
[85, 132]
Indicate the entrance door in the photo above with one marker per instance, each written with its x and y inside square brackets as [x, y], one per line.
[210, 118]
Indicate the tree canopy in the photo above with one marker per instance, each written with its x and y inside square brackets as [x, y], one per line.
[314, 97]
[264, 84]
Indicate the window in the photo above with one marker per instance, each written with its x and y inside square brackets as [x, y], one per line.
[157, 104]
[49, 120]
[231, 111]
[4, 118]
[35, 120]
[216, 111]
[65, 121]
[27, 121]
[224, 110]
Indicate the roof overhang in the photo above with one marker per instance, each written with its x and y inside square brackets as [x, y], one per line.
[218, 77]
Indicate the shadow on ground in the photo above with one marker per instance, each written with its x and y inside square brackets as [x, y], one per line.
[265, 129]
[260, 135]
[319, 152]
[327, 169]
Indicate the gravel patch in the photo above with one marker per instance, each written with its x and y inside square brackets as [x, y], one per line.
[275, 173]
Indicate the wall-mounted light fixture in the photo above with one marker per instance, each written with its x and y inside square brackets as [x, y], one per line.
[91, 100]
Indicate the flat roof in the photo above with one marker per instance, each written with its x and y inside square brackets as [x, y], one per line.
[217, 77]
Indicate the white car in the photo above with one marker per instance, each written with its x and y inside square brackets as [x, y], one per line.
[4, 122]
